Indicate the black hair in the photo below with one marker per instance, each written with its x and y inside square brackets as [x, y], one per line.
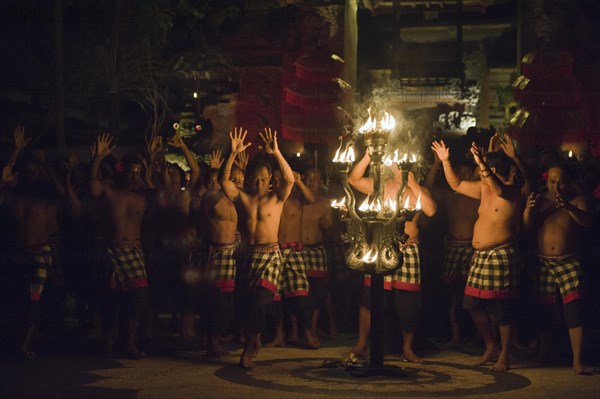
[500, 161]
[253, 167]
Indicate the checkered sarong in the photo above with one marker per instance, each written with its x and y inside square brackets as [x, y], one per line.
[39, 260]
[127, 261]
[457, 259]
[494, 272]
[293, 275]
[563, 272]
[316, 261]
[408, 276]
[221, 263]
[387, 281]
[264, 267]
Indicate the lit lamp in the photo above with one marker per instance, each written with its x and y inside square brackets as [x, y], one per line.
[376, 228]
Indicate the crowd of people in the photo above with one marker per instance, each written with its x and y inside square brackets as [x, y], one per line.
[252, 247]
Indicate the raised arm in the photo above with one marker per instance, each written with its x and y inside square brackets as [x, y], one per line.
[508, 147]
[269, 139]
[468, 188]
[530, 212]
[432, 173]
[308, 195]
[100, 149]
[237, 146]
[356, 176]
[20, 144]
[488, 177]
[177, 142]
[428, 205]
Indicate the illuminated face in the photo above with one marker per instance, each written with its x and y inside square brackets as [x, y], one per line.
[237, 177]
[556, 180]
[133, 174]
[312, 180]
[212, 182]
[259, 181]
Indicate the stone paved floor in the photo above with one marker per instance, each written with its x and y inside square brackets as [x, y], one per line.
[290, 372]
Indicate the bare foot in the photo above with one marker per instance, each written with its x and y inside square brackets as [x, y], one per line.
[578, 368]
[311, 341]
[410, 356]
[278, 342]
[490, 353]
[246, 361]
[501, 364]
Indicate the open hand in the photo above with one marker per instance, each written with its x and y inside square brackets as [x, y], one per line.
[477, 153]
[508, 147]
[237, 140]
[19, 136]
[155, 145]
[216, 159]
[269, 138]
[440, 149]
[242, 160]
[176, 141]
[103, 146]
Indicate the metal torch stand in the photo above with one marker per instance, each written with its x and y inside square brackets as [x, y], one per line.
[376, 365]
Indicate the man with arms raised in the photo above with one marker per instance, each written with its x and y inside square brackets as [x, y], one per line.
[493, 276]
[263, 213]
[126, 205]
[405, 283]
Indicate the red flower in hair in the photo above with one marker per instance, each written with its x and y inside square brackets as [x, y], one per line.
[119, 166]
[545, 175]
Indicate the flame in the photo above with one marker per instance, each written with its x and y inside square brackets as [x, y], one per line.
[370, 256]
[570, 154]
[418, 205]
[387, 160]
[364, 206]
[413, 158]
[338, 204]
[387, 122]
[390, 204]
[369, 125]
[396, 156]
[350, 157]
[404, 158]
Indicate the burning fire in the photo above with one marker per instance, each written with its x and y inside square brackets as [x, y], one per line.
[417, 205]
[387, 122]
[370, 256]
[338, 204]
[370, 206]
[346, 156]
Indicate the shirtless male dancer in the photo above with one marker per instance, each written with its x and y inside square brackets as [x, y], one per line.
[221, 227]
[460, 212]
[317, 219]
[33, 202]
[557, 215]
[294, 281]
[263, 209]
[127, 205]
[405, 283]
[494, 274]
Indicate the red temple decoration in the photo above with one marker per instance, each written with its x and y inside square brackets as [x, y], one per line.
[311, 97]
[550, 100]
